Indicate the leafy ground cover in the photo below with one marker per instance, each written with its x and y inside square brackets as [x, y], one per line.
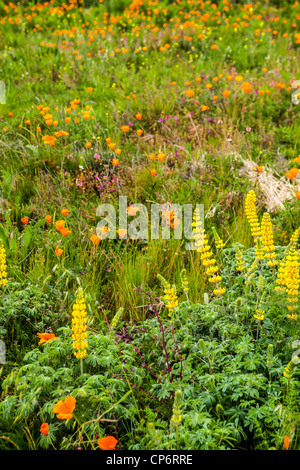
[140, 343]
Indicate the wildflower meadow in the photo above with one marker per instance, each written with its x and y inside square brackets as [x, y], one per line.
[149, 225]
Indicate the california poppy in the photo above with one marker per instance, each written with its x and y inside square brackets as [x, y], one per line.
[107, 443]
[138, 116]
[153, 172]
[226, 93]
[64, 409]
[25, 220]
[286, 442]
[298, 194]
[95, 240]
[48, 218]
[59, 225]
[58, 251]
[46, 337]
[65, 212]
[292, 173]
[44, 429]
[65, 232]
[259, 169]
[122, 232]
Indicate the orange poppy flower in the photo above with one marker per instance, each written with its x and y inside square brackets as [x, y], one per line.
[64, 409]
[89, 89]
[107, 443]
[153, 172]
[95, 240]
[139, 132]
[190, 93]
[152, 156]
[226, 93]
[297, 159]
[298, 194]
[161, 157]
[125, 128]
[259, 169]
[115, 162]
[204, 107]
[122, 232]
[138, 116]
[292, 173]
[59, 225]
[118, 151]
[112, 145]
[58, 251]
[65, 212]
[46, 337]
[88, 145]
[48, 218]
[25, 220]
[132, 210]
[44, 429]
[65, 232]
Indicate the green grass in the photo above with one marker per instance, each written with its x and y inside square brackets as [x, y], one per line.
[130, 54]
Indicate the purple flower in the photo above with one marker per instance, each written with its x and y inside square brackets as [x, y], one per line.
[97, 156]
[248, 129]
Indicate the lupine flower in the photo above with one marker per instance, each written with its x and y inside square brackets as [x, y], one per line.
[251, 214]
[79, 318]
[3, 266]
[267, 240]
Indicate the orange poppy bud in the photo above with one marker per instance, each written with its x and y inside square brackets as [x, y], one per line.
[44, 429]
[286, 442]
